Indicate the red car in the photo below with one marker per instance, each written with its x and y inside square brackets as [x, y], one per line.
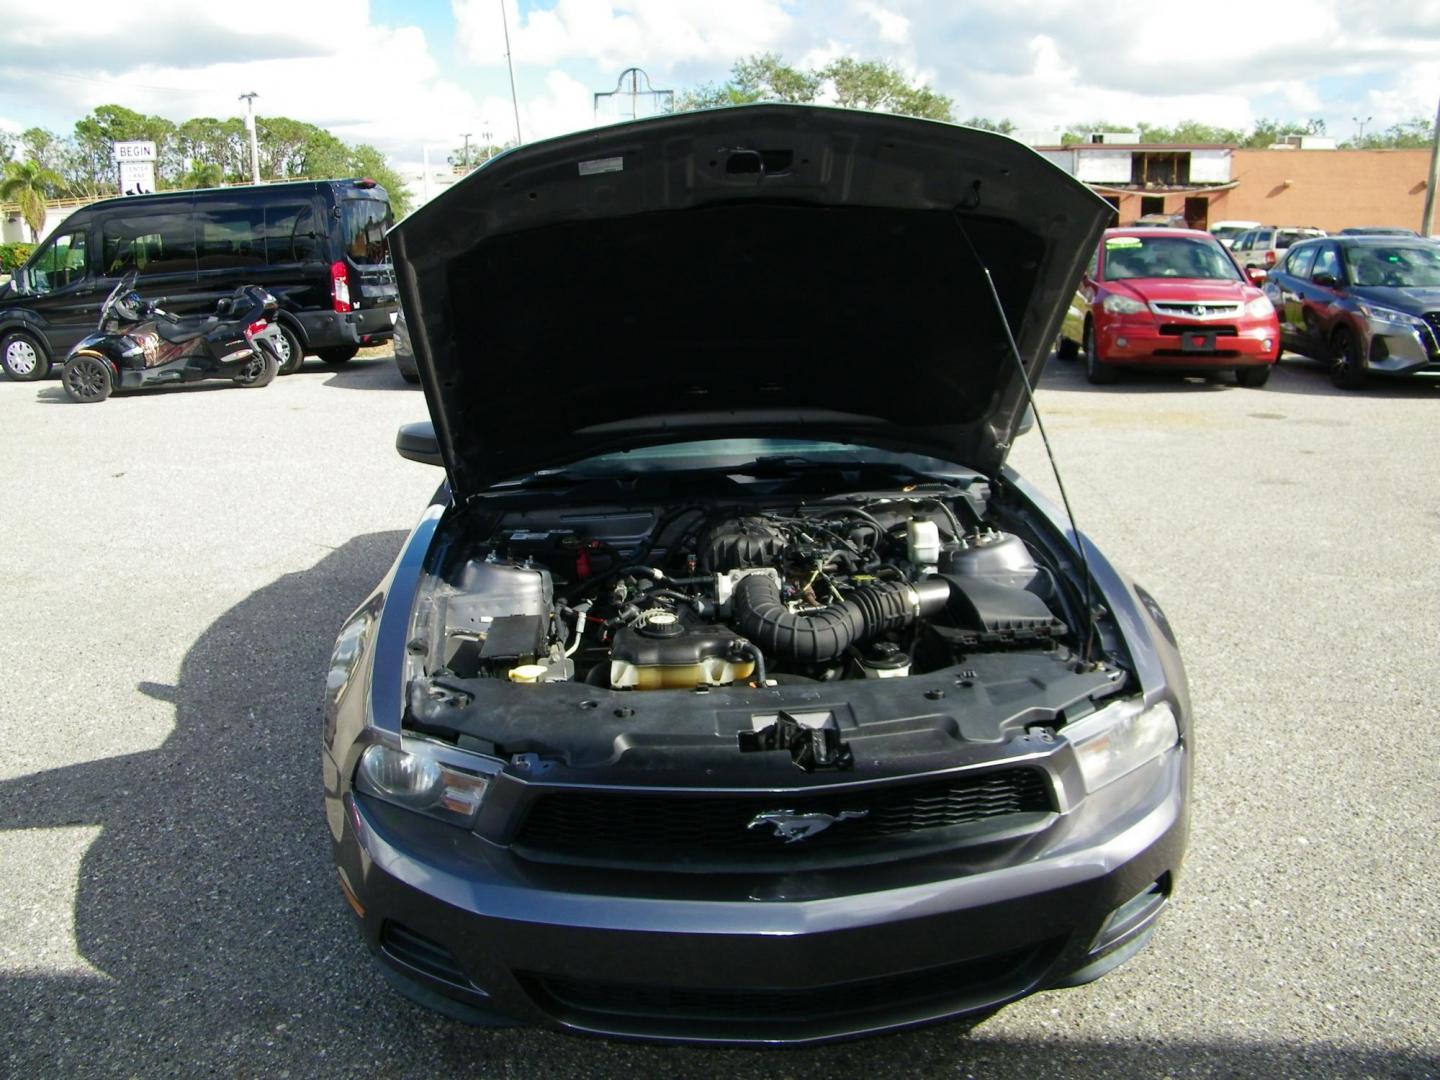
[1169, 298]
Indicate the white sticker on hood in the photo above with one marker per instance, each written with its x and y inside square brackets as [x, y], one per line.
[601, 165]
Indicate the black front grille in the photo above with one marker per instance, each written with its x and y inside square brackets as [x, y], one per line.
[632, 827]
[938, 990]
[1433, 318]
[1222, 330]
[419, 952]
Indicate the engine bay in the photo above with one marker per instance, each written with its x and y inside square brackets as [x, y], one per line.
[710, 596]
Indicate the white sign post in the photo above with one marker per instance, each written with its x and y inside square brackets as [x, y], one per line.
[137, 167]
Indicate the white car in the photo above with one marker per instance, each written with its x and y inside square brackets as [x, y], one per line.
[1227, 231]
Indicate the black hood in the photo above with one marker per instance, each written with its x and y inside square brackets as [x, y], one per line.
[768, 270]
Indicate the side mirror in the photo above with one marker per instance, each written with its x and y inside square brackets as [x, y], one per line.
[417, 442]
[1325, 279]
[1256, 274]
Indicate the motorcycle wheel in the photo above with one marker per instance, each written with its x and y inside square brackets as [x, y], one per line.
[260, 371]
[87, 380]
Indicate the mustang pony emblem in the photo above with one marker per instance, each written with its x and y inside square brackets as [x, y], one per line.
[790, 826]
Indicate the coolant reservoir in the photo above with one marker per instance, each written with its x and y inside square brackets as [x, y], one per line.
[922, 542]
[663, 653]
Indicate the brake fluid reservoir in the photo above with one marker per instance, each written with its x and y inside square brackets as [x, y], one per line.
[922, 542]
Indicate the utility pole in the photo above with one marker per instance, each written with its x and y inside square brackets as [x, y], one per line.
[515, 101]
[465, 161]
[249, 100]
[1427, 219]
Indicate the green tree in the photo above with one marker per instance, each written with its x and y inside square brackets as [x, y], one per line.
[28, 184]
[880, 86]
[857, 84]
[365, 160]
[1415, 133]
[7, 146]
[204, 140]
[1190, 131]
[97, 134]
[207, 175]
[1004, 126]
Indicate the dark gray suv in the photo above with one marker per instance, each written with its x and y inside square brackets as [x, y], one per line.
[733, 689]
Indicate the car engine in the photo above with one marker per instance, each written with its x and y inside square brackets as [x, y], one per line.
[878, 589]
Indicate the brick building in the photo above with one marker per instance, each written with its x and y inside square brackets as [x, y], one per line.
[1325, 188]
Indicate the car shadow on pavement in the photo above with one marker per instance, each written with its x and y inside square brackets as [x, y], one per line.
[1293, 375]
[209, 908]
[372, 373]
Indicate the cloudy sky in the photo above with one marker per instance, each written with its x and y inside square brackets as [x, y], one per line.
[407, 74]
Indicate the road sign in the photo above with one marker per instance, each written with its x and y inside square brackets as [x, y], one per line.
[135, 151]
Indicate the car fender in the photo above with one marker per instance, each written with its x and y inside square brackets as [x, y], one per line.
[294, 325]
[23, 320]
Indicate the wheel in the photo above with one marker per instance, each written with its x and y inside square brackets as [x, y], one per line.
[1066, 349]
[1347, 366]
[292, 353]
[87, 379]
[410, 375]
[339, 354]
[1254, 377]
[23, 358]
[1096, 370]
[260, 371]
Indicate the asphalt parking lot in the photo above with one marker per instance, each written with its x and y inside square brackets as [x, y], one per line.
[176, 564]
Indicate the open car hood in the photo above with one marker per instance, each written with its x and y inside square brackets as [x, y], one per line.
[767, 270]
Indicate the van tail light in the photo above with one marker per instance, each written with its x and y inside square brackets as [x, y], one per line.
[340, 286]
[1269, 258]
[255, 327]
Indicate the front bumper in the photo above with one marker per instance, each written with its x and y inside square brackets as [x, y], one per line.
[1397, 350]
[329, 329]
[467, 919]
[1143, 343]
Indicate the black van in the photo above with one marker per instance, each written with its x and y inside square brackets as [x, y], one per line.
[318, 245]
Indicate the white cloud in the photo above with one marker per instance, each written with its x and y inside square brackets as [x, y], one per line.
[892, 27]
[621, 33]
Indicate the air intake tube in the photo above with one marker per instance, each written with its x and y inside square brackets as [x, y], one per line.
[821, 636]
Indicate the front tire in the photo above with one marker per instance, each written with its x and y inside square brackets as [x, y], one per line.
[1347, 366]
[23, 358]
[1253, 377]
[292, 353]
[87, 379]
[1096, 370]
[337, 355]
[260, 371]
[1067, 349]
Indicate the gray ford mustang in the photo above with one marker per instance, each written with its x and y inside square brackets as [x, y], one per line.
[732, 689]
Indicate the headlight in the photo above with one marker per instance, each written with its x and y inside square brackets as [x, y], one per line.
[1260, 307]
[421, 783]
[1376, 313]
[1120, 738]
[1115, 304]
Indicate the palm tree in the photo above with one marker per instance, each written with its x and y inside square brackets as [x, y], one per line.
[208, 175]
[26, 183]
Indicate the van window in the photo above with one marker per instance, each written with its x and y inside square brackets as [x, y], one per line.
[229, 238]
[151, 243]
[363, 223]
[59, 264]
[290, 235]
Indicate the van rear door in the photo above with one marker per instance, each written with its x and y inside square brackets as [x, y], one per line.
[365, 217]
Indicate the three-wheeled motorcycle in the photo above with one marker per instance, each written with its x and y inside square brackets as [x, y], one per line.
[138, 343]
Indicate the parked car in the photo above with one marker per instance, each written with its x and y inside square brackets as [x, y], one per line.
[318, 246]
[405, 352]
[1363, 304]
[1228, 231]
[1170, 298]
[1377, 230]
[1263, 247]
[732, 689]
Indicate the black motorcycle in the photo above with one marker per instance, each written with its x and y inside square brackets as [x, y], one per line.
[138, 343]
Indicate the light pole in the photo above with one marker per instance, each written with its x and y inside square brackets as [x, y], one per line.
[1427, 218]
[514, 100]
[249, 100]
[465, 159]
[1361, 137]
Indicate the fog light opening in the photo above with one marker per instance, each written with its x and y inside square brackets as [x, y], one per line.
[1122, 343]
[1133, 915]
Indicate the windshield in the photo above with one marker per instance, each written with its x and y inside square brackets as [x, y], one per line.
[1228, 232]
[1397, 267]
[718, 454]
[363, 223]
[1285, 237]
[1166, 257]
